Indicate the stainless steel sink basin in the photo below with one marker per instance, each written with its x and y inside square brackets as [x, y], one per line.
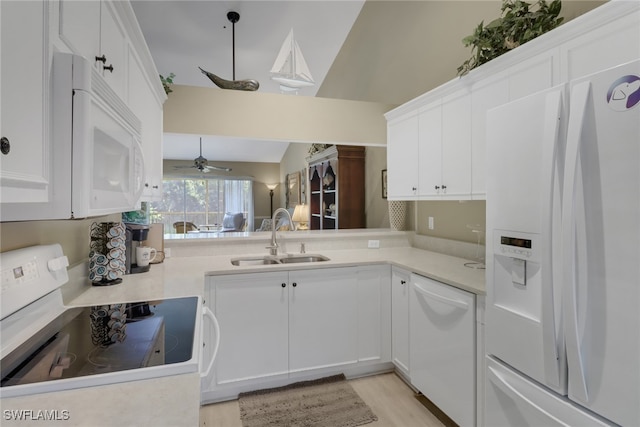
[282, 259]
[302, 258]
[254, 261]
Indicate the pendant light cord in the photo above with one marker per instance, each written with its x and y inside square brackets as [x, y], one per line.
[233, 17]
[233, 49]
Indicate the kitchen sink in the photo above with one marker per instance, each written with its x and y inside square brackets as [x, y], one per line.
[288, 259]
[282, 259]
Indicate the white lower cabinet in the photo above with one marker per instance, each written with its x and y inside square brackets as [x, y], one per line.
[279, 326]
[323, 322]
[400, 284]
[442, 347]
[253, 313]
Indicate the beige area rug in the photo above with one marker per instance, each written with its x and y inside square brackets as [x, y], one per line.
[327, 402]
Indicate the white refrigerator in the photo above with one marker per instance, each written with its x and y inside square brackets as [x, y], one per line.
[563, 255]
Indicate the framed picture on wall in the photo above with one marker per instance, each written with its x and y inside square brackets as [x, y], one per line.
[303, 186]
[384, 183]
[293, 190]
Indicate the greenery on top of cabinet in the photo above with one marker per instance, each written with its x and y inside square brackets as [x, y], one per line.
[167, 82]
[521, 22]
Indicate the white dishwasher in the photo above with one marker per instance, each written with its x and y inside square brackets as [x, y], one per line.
[443, 347]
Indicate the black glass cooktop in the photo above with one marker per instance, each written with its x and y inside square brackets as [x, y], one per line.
[103, 339]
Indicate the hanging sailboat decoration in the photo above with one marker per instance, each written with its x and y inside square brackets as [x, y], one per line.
[290, 69]
[249, 85]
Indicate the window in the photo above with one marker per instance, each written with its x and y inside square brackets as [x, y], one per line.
[202, 201]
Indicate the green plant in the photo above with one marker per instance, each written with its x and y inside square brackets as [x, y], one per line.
[167, 82]
[520, 22]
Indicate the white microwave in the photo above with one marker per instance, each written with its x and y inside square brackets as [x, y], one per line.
[107, 163]
[96, 157]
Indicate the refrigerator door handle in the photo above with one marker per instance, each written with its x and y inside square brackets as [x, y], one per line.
[572, 230]
[520, 399]
[552, 346]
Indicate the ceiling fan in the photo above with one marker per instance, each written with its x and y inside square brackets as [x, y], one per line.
[249, 84]
[202, 164]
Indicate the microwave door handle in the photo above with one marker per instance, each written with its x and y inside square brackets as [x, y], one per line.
[216, 326]
[550, 206]
[573, 231]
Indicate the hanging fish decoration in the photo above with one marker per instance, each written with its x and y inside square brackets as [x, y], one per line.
[249, 85]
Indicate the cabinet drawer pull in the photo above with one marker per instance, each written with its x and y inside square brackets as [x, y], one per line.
[5, 145]
[102, 59]
[294, 284]
[284, 285]
[402, 282]
[437, 187]
[109, 68]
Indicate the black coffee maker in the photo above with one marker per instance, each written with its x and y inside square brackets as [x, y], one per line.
[136, 233]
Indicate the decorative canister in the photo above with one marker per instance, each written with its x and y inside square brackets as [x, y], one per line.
[398, 214]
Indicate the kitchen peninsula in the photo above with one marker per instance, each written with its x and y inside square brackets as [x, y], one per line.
[195, 258]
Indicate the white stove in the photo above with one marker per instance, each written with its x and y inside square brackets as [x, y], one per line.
[47, 346]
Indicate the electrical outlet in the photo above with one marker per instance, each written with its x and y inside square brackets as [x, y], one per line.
[374, 244]
[431, 223]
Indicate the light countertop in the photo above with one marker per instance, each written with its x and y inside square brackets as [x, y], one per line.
[182, 276]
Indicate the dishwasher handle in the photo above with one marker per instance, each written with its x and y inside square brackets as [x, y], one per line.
[207, 313]
[446, 300]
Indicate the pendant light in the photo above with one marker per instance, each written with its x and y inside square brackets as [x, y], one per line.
[248, 85]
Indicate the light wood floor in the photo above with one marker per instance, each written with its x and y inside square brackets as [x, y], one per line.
[387, 396]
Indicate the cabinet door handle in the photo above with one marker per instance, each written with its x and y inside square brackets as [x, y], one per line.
[294, 284]
[102, 59]
[109, 68]
[284, 285]
[437, 187]
[403, 282]
[5, 145]
[155, 186]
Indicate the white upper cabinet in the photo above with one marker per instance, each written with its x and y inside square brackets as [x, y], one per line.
[613, 39]
[456, 147]
[36, 123]
[402, 166]
[602, 38]
[429, 150]
[145, 104]
[25, 163]
[93, 30]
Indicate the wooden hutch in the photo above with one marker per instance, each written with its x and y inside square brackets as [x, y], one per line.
[336, 188]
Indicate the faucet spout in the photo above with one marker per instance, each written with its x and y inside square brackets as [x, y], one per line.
[273, 248]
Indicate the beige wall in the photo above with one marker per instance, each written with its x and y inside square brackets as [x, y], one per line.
[376, 208]
[293, 160]
[73, 235]
[269, 116]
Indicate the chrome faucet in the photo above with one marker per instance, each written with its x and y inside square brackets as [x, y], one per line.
[273, 248]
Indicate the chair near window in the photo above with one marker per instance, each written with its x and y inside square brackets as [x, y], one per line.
[233, 222]
[184, 227]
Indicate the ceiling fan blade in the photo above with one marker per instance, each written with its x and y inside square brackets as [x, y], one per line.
[218, 168]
